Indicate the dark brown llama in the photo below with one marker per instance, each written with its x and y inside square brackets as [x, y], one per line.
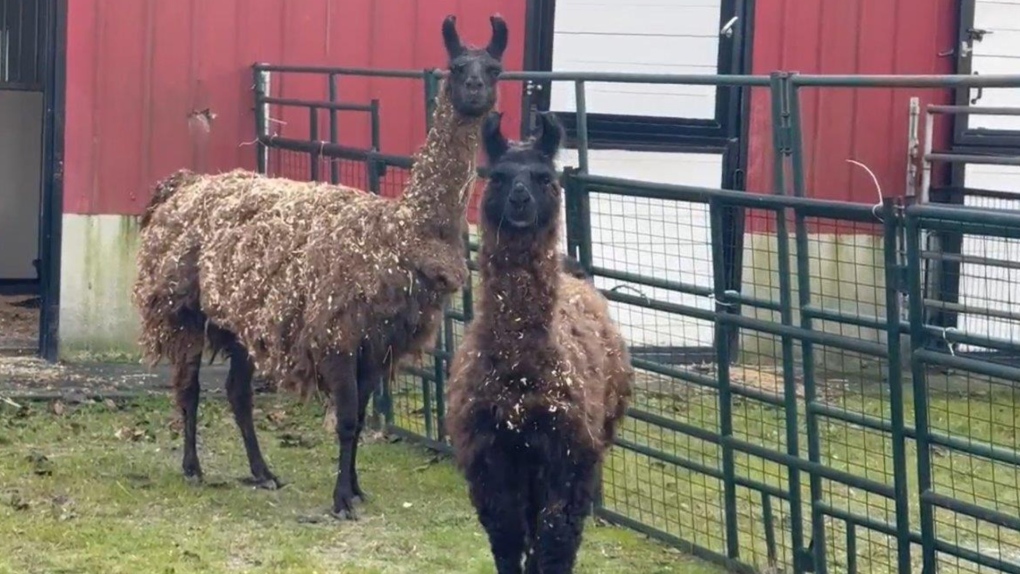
[311, 283]
[543, 376]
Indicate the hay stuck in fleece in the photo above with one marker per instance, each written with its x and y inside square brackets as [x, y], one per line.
[315, 285]
[294, 269]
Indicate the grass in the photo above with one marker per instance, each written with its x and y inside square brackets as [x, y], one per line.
[97, 488]
[688, 504]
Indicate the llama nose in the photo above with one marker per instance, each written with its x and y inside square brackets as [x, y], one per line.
[473, 84]
[519, 196]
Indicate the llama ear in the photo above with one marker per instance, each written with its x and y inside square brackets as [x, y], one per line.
[451, 38]
[549, 135]
[493, 140]
[497, 45]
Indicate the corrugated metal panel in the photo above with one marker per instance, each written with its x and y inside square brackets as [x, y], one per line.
[868, 125]
[137, 71]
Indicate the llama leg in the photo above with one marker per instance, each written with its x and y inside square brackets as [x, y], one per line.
[561, 522]
[341, 373]
[239, 393]
[535, 503]
[499, 500]
[368, 379]
[186, 391]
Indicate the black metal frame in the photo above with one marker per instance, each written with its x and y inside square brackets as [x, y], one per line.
[629, 132]
[962, 134]
[51, 214]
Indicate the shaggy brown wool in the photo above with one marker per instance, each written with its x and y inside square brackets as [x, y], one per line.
[298, 269]
[542, 379]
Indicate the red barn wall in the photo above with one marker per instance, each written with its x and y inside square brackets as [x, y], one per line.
[137, 70]
[868, 125]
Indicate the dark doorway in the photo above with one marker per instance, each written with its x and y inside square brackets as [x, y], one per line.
[32, 41]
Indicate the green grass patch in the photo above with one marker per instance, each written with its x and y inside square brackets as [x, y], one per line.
[98, 488]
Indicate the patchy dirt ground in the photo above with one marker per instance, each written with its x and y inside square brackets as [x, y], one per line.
[19, 322]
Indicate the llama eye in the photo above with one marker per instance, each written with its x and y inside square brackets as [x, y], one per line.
[543, 179]
[493, 71]
[497, 178]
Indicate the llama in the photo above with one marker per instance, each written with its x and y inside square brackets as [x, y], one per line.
[543, 376]
[313, 284]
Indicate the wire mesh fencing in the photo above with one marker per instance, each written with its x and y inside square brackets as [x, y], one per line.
[800, 404]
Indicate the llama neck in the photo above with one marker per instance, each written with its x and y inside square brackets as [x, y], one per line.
[443, 172]
[520, 279]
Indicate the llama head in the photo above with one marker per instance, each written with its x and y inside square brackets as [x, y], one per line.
[474, 72]
[522, 193]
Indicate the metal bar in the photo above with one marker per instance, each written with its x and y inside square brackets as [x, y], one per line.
[971, 259]
[912, 146]
[663, 306]
[672, 372]
[647, 281]
[908, 81]
[313, 135]
[976, 557]
[444, 339]
[769, 523]
[335, 106]
[796, 140]
[972, 510]
[582, 126]
[810, 392]
[961, 337]
[817, 337]
[790, 392]
[828, 209]
[895, 383]
[929, 136]
[866, 321]
[851, 549]
[334, 126]
[723, 360]
[961, 214]
[973, 110]
[692, 466]
[375, 124]
[340, 71]
[949, 226]
[920, 388]
[973, 158]
[972, 310]
[431, 93]
[337, 151]
[614, 517]
[991, 452]
[800, 464]
[261, 121]
[779, 145]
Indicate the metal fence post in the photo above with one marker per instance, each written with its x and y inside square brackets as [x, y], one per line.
[920, 387]
[261, 88]
[780, 133]
[334, 126]
[431, 78]
[723, 359]
[890, 228]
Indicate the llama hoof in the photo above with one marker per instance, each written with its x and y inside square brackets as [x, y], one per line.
[266, 482]
[193, 479]
[360, 496]
[344, 514]
[343, 509]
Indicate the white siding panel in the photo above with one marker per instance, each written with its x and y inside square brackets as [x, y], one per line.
[989, 286]
[650, 36]
[666, 240]
[997, 53]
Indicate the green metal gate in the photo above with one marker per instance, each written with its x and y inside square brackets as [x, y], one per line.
[837, 428]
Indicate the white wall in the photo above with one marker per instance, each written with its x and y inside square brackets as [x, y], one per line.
[667, 240]
[645, 36]
[997, 53]
[990, 286]
[21, 116]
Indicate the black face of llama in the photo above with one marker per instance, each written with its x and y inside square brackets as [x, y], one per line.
[474, 72]
[522, 193]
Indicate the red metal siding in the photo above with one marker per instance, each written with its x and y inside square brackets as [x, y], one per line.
[868, 125]
[136, 71]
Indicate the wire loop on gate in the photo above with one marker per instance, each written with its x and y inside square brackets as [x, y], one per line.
[878, 187]
[641, 293]
[712, 297]
[949, 344]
